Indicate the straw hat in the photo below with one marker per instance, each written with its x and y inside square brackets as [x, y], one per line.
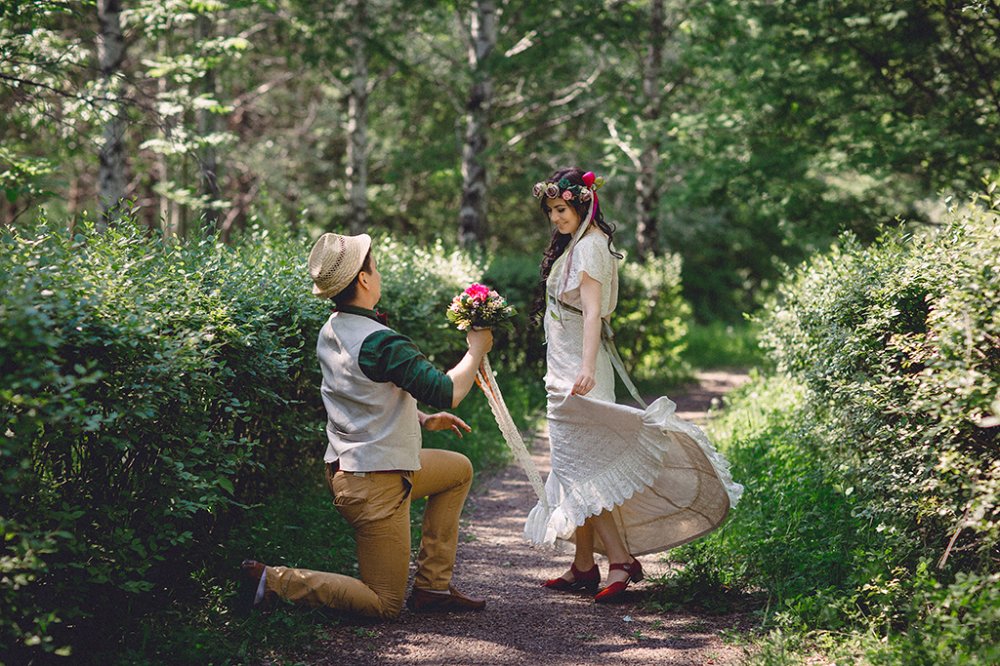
[335, 260]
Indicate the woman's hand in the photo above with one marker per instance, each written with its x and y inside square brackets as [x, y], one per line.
[444, 421]
[584, 382]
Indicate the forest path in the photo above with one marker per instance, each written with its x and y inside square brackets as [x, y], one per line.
[524, 623]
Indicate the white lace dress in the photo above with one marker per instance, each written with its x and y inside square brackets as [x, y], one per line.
[659, 475]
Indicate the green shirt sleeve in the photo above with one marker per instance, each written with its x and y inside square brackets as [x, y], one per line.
[388, 356]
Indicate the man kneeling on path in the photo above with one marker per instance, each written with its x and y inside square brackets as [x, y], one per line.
[372, 379]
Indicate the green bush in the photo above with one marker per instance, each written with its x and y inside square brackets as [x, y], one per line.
[871, 459]
[139, 395]
[900, 346]
[516, 276]
[149, 392]
[651, 319]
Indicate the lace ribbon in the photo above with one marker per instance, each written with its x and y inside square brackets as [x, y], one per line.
[487, 382]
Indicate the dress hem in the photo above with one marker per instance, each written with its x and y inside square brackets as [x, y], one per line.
[614, 486]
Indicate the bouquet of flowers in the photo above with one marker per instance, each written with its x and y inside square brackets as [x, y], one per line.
[480, 307]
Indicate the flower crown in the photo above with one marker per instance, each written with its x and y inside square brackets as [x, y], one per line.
[568, 191]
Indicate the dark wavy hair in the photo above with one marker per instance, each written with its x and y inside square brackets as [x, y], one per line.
[559, 241]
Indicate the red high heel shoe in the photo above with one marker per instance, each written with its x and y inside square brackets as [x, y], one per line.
[614, 591]
[582, 580]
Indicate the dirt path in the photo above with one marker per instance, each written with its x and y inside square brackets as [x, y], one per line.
[708, 388]
[525, 623]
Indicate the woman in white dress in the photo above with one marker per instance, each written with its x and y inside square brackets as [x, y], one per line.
[624, 481]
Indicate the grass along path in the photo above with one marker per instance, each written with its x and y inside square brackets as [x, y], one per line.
[524, 623]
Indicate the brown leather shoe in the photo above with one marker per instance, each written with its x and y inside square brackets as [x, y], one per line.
[246, 601]
[422, 601]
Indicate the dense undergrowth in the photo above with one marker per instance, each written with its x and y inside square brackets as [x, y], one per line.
[869, 527]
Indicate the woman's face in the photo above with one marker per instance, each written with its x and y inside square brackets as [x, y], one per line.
[563, 216]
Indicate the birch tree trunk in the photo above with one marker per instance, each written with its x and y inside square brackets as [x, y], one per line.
[357, 122]
[646, 185]
[207, 126]
[161, 169]
[472, 213]
[110, 54]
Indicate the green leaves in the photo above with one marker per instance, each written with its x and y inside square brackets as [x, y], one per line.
[23, 176]
[139, 380]
[872, 462]
[651, 319]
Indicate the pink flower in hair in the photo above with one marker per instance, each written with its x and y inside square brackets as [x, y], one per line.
[567, 195]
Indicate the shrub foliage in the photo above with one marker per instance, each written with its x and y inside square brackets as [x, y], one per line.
[899, 345]
[871, 459]
[652, 319]
[144, 388]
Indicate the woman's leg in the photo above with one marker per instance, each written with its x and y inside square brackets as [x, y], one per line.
[584, 556]
[604, 524]
[583, 559]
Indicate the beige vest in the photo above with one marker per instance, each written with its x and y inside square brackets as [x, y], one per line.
[370, 426]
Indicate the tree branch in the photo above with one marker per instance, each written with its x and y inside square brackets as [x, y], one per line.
[553, 122]
[629, 151]
[58, 91]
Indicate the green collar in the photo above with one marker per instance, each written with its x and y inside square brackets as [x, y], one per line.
[361, 312]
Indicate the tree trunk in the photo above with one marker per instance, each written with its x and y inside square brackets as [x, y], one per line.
[182, 210]
[207, 126]
[646, 185]
[357, 123]
[472, 212]
[167, 211]
[74, 199]
[110, 54]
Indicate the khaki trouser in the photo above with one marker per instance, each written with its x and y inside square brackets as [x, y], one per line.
[377, 506]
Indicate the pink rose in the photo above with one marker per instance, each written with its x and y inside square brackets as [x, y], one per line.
[478, 292]
[567, 195]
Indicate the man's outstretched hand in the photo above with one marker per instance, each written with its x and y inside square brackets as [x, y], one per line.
[444, 421]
